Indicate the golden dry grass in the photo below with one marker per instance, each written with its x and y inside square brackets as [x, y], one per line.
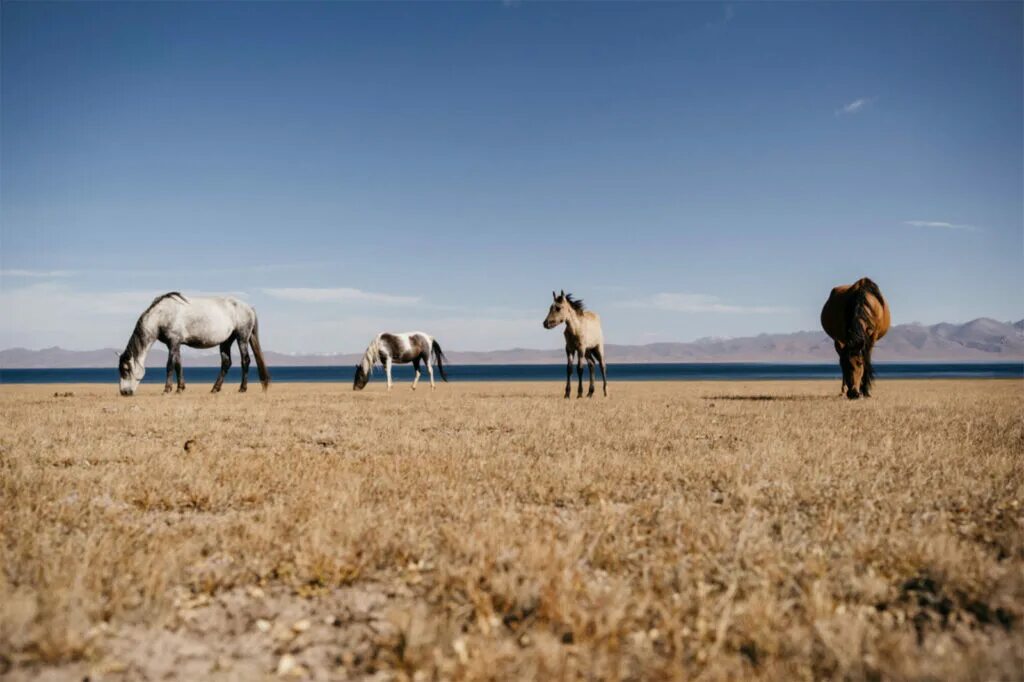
[710, 530]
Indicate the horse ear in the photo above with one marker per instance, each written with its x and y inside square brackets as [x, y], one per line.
[563, 293]
[554, 295]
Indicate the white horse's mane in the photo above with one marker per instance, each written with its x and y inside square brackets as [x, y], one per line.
[137, 343]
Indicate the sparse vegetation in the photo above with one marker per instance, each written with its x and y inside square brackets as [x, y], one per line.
[720, 530]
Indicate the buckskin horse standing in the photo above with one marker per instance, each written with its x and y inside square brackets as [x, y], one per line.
[198, 323]
[583, 338]
[856, 316]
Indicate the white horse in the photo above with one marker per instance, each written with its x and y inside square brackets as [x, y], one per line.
[583, 338]
[414, 347]
[197, 323]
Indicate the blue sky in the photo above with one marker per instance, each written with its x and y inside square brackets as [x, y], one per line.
[690, 170]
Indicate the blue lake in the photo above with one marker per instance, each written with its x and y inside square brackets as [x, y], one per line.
[733, 371]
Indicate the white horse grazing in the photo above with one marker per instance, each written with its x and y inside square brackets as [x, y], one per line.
[197, 323]
[583, 338]
[414, 347]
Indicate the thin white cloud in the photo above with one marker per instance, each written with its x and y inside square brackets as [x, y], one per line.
[36, 274]
[728, 14]
[856, 106]
[337, 295]
[291, 331]
[940, 224]
[700, 303]
[55, 314]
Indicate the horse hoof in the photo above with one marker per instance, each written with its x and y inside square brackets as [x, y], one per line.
[243, 389]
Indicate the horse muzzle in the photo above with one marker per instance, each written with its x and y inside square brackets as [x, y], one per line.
[548, 324]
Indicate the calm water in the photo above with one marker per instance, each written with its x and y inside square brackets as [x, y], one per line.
[623, 372]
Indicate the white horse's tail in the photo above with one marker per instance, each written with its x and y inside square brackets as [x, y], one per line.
[261, 365]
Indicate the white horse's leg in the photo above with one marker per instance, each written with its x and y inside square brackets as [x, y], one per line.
[387, 370]
[243, 352]
[176, 354]
[225, 365]
[170, 370]
[430, 373]
[416, 373]
[604, 376]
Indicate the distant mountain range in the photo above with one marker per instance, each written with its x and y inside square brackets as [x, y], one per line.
[981, 340]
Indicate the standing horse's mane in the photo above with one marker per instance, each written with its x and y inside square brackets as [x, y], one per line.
[869, 286]
[135, 343]
[577, 304]
[858, 322]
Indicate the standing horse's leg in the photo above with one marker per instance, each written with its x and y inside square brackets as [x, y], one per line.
[225, 365]
[844, 367]
[865, 382]
[430, 371]
[387, 370]
[243, 352]
[579, 372]
[170, 369]
[416, 372]
[176, 352]
[590, 368]
[568, 372]
[599, 352]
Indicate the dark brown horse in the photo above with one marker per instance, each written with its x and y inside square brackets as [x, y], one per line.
[856, 316]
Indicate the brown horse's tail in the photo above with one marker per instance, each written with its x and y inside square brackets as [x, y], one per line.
[441, 359]
[261, 365]
[860, 325]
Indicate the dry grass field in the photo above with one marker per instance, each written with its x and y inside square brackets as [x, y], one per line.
[496, 531]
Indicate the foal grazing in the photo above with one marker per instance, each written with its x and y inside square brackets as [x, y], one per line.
[414, 347]
[197, 323]
[583, 337]
[856, 316]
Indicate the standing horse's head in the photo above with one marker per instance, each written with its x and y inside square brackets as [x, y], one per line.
[560, 310]
[361, 379]
[131, 372]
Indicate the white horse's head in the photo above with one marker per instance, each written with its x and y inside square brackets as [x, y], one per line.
[131, 371]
